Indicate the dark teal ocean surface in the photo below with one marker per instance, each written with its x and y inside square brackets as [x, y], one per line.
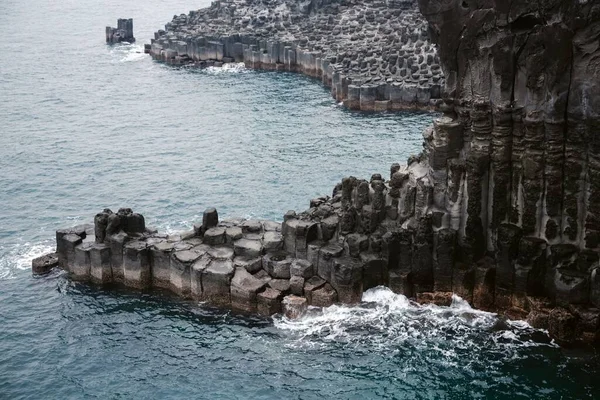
[84, 126]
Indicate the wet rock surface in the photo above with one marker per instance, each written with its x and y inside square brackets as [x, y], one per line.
[500, 207]
[122, 33]
[374, 55]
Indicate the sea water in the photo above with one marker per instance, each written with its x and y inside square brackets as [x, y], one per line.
[84, 126]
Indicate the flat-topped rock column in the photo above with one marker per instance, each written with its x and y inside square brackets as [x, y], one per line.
[500, 207]
[364, 42]
[122, 33]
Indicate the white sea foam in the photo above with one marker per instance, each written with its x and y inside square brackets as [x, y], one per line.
[387, 320]
[133, 56]
[19, 256]
[127, 52]
[228, 68]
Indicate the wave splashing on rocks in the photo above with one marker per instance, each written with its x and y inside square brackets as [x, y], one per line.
[388, 321]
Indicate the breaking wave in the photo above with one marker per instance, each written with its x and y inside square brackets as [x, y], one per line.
[127, 52]
[388, 321]
[236, 68]
[19, 256]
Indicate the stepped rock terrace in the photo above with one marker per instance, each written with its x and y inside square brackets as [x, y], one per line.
[374, 55]
[501, 207]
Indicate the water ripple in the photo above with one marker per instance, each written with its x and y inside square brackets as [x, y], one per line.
[87, 126]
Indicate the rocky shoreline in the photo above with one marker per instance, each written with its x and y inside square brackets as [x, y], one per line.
[373, 55]
[502, 207]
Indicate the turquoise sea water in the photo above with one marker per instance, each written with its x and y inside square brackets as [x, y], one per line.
[85, 126]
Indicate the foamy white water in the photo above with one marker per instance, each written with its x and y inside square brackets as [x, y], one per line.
[387, 320]
[19, 257]
[237, 68]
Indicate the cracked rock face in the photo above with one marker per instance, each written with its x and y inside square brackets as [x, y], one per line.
[502, 207]
[514, 163]
[375, 55]
[523, 93]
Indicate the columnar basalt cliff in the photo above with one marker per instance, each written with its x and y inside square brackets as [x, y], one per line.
[501, 207]
[374, 55]
[513, 165]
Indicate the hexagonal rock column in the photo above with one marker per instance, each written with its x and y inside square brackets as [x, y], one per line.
[196, 271]
[311, 285]
[294, 306]
[300, 270]
[282, 285]
[161, 264]
[210, 218]
[272, 241]
[326, 257]
[251, 226]
[214, 236]
[180, 277]
[368, 95]
[269, 301]
[131, 222]
[374, 270]
[80, 269]
[353, 100]
[251, 265]
[136, 265]
[347, 279]
[232, 234]
[65, 246]
[216, 280]
[244, 288]
[122, 33]
[325, 296]
[297, 234]
[247, 248]
[100, 268]
[116, 243]
[277, 265]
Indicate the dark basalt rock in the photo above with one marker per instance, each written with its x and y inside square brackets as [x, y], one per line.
[122, 33]
[44, 264]
[332, 40]
[501, 207]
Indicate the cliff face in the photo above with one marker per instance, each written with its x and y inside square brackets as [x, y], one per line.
[523, 80]
[502, 207]
[515, 161]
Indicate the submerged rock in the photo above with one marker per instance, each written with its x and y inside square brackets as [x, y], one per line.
[44, 264]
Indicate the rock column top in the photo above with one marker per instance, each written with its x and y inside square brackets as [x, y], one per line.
[381, 48]
[122, 33]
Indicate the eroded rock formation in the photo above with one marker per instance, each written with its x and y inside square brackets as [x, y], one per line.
[513, 164]
[374, 55]
[502, 206]
[122, 33]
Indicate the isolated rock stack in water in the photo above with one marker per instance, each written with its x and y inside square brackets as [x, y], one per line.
[374, 55]
[122, 33]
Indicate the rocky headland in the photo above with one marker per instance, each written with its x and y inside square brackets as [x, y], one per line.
[374, 55]
[502, 207]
